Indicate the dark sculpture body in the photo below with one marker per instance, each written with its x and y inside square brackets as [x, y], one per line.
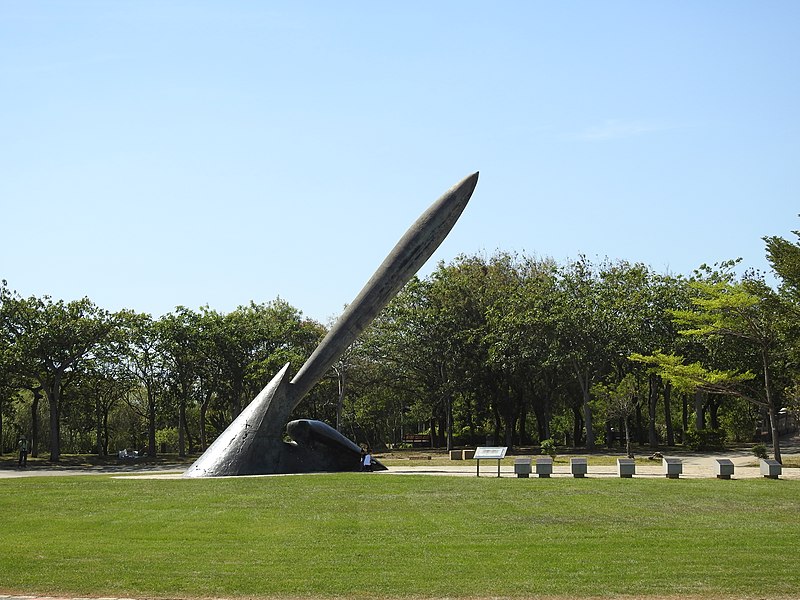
[253, 444]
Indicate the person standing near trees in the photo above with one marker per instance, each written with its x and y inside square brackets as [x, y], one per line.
[23, 451]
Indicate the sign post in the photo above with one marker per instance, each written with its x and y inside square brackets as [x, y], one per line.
[497, 453]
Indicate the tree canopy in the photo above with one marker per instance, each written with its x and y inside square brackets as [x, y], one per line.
[505, 349]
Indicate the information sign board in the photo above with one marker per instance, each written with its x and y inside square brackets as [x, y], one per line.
[497, 453]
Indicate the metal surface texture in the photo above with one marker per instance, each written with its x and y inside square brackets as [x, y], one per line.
[253, 443]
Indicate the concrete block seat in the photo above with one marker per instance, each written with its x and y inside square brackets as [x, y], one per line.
[579, 466]
[723, 468]
[544, 466]
[626, 467]
[673, 467]
[522, 467]
[770, 468]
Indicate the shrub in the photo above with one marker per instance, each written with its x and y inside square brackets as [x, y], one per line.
[167, 439]
[549, 447]
[760, 451]
[706, 439]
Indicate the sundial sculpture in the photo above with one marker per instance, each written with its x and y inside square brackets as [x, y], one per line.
[253, 444]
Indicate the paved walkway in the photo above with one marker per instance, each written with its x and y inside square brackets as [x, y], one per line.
[695, 466]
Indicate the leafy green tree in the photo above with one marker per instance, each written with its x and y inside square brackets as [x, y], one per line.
[621, 399]
[521, 336]
[746, 310]
[49, 339]
[593, 326]
[784, 257]
[397, 351]
[108, 383]
[145, 361]
[180, 337]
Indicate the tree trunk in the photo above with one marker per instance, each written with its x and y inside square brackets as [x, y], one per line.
[151, 423]
[713, 413]
[652, 404]
[582, 377]
[640, 435]
[236, 401]
[509, 432]
[105, 431]
[542, 414]
[577, 426]
[684, 417]
[449, 409]
[182, 427]
[54, 399]
[98, 414]
[203, 409]
[668, 415]
[509, 418]
[37, 395]
[773, 410]
[587, 421]
[699, 411]
[773, 425]
[340, 400]
[628, 449]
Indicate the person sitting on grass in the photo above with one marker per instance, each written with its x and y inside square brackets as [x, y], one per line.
[366, 460]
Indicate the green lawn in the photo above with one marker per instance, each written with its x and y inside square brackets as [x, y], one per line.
[385, 536]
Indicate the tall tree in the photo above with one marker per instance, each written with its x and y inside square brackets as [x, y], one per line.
[180, 336]
[727, 309]
[784, 257]
[621, 399]
[145, 361]
[48, 340]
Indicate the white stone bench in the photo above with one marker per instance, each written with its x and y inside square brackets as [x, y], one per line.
[723, 468]
[544, 466]
[522, 467]
[579, 466]
[626, 467]
[770, 468]
[673, 467]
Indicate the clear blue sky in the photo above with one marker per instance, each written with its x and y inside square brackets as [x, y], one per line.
[157, 153]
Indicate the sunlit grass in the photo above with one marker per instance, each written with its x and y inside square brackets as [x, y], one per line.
[384, 536]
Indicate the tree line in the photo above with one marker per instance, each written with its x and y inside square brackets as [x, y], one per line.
[504, 349]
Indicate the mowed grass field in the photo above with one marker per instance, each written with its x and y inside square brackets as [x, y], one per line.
[389, 536]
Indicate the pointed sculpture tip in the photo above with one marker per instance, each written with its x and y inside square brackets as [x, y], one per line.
[464, 188]
[471, 181]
